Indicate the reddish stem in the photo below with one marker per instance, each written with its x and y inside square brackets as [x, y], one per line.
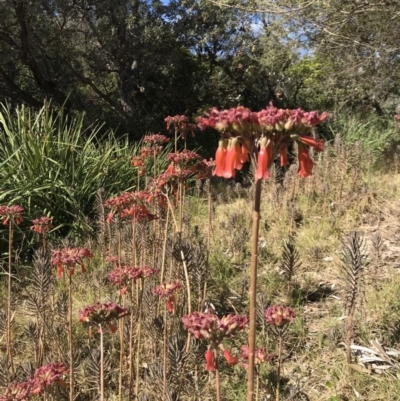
[253, 290]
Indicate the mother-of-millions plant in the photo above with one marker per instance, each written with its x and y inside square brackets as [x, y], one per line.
[10, 215]
[101, 315]
[66, 260]
[260, 137]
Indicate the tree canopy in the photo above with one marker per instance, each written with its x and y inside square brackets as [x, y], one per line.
[130, 63]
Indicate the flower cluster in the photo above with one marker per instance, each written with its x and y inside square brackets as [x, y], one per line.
[121, 276]
[13, 213]
[130, 205]
[204, 168]
[99, 313]
[181, 124]
[239, 120]
[208, 326]
[43, 377]
[260, 356]
[154, 144]
[139, 163]
[279, 316]
[269, 131]
[47, 375]
[167, 290]
[182, 165]
[17, 392]
[69, 258]
[397, 117]
[155, 139]
[42, 225]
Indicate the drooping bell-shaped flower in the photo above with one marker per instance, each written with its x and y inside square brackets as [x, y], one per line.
[220, 158]
[231, 360]
[318, 145]
[210, 366]
[305, 162]
[233, 158]
[264, 159]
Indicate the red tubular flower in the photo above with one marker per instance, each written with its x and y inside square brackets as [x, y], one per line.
[310, 141]
[210, 366]
[170, 303]
[244, 154]
[230, 359]
[170, 169]
[305, 162]
[284, 156]
[264, 159]
[233, 158]
[220, 158]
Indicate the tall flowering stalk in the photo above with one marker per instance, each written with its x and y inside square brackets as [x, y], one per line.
[260, 356]
[260, 137]
[209, 327]
[100, 314]
[10, 215]
[166, 291]
[41, 226]
[121, 277]
[279, 317]
[66, 260]
[182, 127]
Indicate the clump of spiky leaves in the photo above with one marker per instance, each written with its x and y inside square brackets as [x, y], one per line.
[354, 261]
[38, 300]
[290, 261]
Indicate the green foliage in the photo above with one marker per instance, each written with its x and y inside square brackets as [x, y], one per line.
[52, 165]
[376, 135]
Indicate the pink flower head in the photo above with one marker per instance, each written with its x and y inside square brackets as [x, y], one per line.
[260, 355]
[231, 324]
[207, 326]
[204, 168]
[165, 290]
[155, 139]
[17, 392]
[69, 258]
[181, 124]
[148, 271]
[279, 315]
[13, 213]
[233, 121]
[47, 375]
[124, 274]
[130, 205]
[42, 225]
[202, 325]
[102, 313]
